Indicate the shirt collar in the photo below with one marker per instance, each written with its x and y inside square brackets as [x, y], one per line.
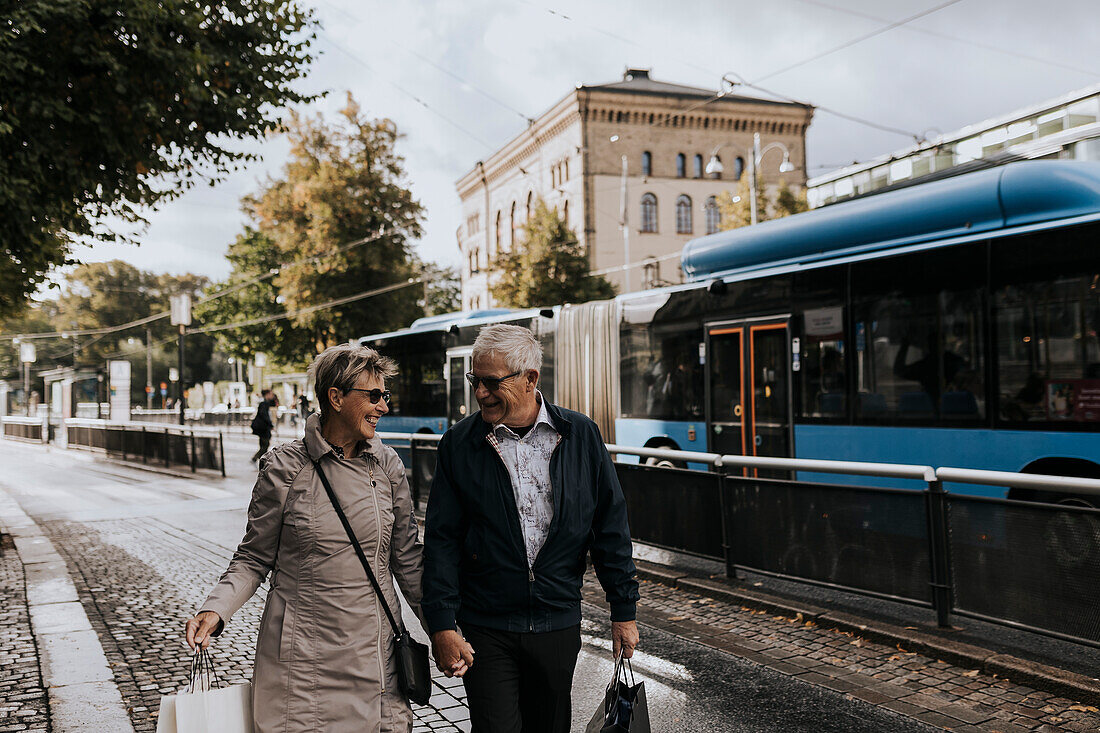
[317, 446]
[543, 418]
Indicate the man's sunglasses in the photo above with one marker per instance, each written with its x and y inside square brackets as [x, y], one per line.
[491, 383]
[374, 394]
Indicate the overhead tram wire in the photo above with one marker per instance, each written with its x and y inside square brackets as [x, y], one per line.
[956, 39]
[308, 309]
[410, 95]
[107, 330]
[859, 39]
[443, 70]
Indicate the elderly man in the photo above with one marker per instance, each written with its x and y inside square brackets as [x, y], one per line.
[522, 492]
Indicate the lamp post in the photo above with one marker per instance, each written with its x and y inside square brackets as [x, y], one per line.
[624, 221]
[181, 316]
[714, 165]
[28, 356]
[260, 360]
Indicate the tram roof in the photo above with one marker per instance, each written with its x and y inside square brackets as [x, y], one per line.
[1010, 196]
[445, 321]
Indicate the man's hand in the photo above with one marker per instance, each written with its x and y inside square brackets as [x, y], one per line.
[200, 627]
[453, 654]
[624, 636]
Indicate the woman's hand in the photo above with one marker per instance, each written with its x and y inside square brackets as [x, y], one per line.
[200, 627]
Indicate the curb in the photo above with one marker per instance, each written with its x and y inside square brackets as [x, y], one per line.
[1043, 677]
[79, 681]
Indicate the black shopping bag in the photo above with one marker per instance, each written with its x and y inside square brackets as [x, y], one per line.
[624, 708]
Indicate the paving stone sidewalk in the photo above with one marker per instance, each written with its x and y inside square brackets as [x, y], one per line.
[139, 579]
[927, 689]
[23, 699]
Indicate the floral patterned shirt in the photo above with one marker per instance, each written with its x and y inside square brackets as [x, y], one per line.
[527, 459]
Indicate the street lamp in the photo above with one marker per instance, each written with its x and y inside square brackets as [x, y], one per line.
[624, 222]
[181, 316]
[260, 360]
[714, 165]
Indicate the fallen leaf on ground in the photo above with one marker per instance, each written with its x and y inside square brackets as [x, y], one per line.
[1084, 708]
[971, 673]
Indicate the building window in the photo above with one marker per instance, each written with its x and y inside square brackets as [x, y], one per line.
[738, 168]
[683, 215]
[698, 172]
[473, 261]
[647, 164]
[512, 235]
[565, 213]
[530, 204]
[681, 166]
[649, 212]
[567, 169]
[712, 214]
[499, 236]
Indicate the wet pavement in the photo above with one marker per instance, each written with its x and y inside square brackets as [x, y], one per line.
[143, 549]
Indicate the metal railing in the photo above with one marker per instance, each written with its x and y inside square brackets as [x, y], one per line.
[29, 429]
[196, 448]
[1029, 565]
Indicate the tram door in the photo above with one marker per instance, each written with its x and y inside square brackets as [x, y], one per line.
[460, 398]
[748, 387]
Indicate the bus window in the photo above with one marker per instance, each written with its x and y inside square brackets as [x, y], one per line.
[822, 364]
[918, 348]
[661, 376]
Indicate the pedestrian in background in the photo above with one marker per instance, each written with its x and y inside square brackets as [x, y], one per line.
[523, 491]
[262, 425]
[303, 406]
[324, 655]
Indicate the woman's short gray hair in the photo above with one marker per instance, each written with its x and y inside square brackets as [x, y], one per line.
[519, 347]
[340, 367]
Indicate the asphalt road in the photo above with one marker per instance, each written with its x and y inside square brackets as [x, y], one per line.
[135, 528]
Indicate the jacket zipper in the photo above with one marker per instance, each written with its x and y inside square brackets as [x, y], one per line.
[377, 548]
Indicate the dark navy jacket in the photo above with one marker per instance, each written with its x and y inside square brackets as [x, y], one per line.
[475, 563]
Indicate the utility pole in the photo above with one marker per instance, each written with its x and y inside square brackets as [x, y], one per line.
[181, 316]
[624, 223]
[148, 369]
[754, 160]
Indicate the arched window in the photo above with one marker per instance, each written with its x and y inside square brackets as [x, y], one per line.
[473, 261]
[683, 214]
[712, 215]
[512, 235]
[681, 166]
[698, 172]
[530, 204]
[499, 236]
[647, 164]
[567, 169]
[738, 168]
[649, 213]
[565, 213]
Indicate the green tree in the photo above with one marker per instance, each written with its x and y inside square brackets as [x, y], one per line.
[736, 210]
[343, 183]
[442, 289]
[111, 107]
[547, 267]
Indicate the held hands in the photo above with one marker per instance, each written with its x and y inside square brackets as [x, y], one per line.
[453, 654]
[199, 629]
[624, 637]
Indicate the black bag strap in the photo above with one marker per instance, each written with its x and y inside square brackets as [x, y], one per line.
[356, 547]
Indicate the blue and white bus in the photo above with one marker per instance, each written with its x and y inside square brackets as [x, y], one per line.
[948, 323]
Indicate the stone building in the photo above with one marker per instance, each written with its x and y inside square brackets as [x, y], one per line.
[571, 156]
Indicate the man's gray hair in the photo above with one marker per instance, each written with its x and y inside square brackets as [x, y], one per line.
[517, 345]
[340, 366]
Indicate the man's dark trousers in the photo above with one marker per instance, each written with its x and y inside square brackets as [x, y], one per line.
[265, 442]
[521, 682]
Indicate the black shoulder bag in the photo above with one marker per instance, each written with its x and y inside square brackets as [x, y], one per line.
[413, 673]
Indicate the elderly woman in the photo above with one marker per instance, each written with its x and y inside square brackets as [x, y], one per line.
[325, 652]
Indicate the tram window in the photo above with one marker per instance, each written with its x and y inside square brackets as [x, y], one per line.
[822, 364]
[418, 388]
[661, 377]
[918, 345]
[1046, 300]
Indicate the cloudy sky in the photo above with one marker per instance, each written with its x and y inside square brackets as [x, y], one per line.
[459, 78]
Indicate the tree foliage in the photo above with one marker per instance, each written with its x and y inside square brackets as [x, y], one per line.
[109, 107]
[736, 210]
[549, 266]
[343, 183]
[442, 289]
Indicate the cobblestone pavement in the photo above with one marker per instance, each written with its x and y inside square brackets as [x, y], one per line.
[928, 690]
[139, 578]
[23, 699]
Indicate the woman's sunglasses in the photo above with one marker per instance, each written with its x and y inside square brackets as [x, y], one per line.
[491, 383]
[374, 394]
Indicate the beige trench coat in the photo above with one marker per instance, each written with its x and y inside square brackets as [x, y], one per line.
[324, 656]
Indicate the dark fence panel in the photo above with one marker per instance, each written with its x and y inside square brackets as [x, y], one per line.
[1036, 565]
[674, 508]
[152, 445]
[31, 432]
[871, 540]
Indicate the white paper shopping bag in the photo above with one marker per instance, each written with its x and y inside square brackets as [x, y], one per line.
[218, 710]
[166, 718]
